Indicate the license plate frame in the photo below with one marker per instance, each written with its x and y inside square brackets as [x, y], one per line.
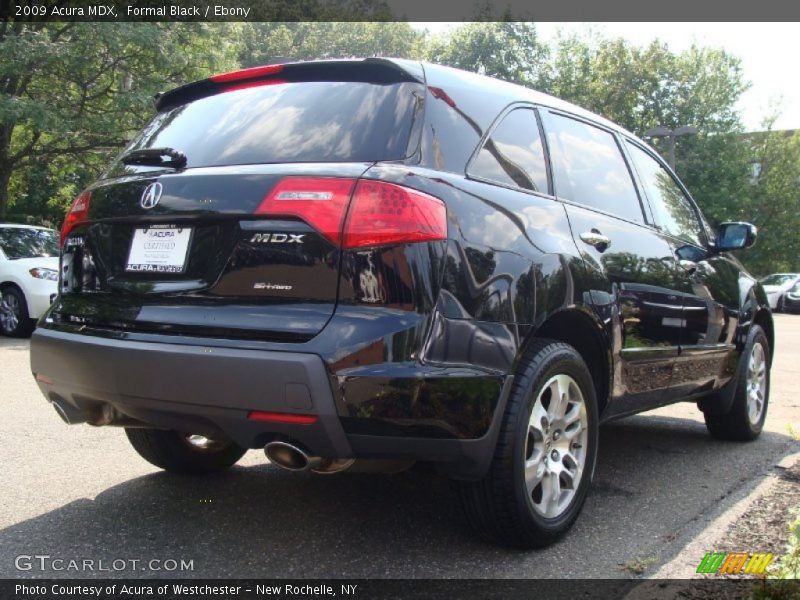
[160, 258]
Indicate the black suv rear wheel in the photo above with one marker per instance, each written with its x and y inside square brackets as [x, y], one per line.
[546, 452]
[182, 452]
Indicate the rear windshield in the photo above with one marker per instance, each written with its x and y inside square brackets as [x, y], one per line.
[319, 121]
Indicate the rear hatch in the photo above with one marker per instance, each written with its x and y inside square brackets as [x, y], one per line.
[224, 216]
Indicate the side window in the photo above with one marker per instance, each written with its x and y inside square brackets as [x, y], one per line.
[671, 207]
[588, 167]
[513, 154]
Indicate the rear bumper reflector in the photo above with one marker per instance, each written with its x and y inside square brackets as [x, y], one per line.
[43, 379]
[276, 417]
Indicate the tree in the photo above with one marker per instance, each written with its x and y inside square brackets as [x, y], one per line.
[76, 92]
[773, 202]
[643, 87]
[269, 42]
[507, 50]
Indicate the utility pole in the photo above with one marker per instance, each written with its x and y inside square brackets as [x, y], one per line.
[672, 134]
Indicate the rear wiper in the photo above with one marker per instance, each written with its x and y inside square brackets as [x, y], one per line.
[156, 157]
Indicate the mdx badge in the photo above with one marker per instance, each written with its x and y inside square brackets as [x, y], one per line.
[277, 238]
[150, 196]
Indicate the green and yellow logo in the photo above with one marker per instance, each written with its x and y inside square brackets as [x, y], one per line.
[733, 563]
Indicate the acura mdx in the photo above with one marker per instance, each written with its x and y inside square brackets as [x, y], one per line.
[363, 264]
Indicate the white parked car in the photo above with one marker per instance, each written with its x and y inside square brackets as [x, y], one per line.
[28, 275]
[776, 286]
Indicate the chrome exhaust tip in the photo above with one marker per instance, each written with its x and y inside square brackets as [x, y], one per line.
[68, 413]
[62, 413]
[290, 457]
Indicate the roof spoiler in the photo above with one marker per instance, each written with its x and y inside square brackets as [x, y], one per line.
[380, 71]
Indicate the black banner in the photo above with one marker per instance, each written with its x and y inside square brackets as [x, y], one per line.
[396, 10]
[364, 589]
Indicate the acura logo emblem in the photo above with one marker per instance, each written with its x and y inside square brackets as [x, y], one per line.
[150, 196]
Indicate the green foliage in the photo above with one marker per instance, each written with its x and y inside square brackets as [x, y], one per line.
[774, 202]
[71, 94]
[643, 87]
[263, 43]
[507, 50]
[788, 567]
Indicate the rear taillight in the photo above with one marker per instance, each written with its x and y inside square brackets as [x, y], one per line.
[319, 201]
[380, 212]
[79, 213]
[386, 213]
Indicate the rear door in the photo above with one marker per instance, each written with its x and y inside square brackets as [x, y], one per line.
[244, 239]
[631, 265]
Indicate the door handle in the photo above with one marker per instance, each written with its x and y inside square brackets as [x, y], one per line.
[688, 265]
[596, 239]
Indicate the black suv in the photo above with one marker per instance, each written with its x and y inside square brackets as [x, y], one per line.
[367, 263]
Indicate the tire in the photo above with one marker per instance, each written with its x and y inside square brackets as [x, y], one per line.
[779, 307]
[14, 318]
[502, 508]
[175, 452]
[745, 419]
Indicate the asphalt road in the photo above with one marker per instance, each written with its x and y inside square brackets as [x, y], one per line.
[79, 493]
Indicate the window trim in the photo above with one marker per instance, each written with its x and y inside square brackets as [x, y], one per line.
[698, 215]
[488, 133]
[615, 135]
[647, 208]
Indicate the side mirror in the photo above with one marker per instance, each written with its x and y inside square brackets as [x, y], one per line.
[734, 236]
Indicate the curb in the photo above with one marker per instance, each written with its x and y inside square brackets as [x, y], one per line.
[674, 577]
[684, 565]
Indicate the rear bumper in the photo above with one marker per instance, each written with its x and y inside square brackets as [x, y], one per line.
[190, 388]
[212, 389]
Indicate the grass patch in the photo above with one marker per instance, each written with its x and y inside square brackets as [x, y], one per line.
[788, 566]
[639, 565]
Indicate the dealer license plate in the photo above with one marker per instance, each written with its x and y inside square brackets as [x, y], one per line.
[159, 249]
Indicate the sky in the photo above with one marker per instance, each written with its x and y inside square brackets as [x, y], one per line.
[768, 52]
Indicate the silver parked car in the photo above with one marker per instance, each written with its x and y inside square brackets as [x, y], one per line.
[776, 286]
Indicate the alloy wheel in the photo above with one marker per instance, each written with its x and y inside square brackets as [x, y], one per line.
[556, 446]
[756, 383]
[9, 313]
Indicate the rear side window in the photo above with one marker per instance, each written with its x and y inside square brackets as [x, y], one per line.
[513, 154]
[317, 121]
[588, 168]
[670, 206]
